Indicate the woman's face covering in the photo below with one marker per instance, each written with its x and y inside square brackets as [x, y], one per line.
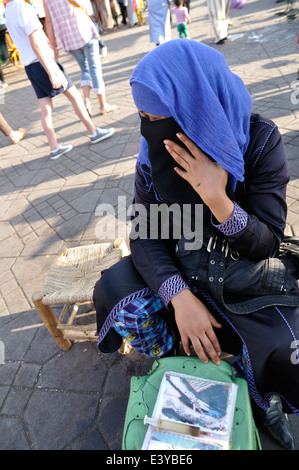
[170, 186]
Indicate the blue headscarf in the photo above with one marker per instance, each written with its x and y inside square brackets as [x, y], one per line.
[192, 83]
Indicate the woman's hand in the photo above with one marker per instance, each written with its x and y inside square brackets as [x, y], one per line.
[195, 324]
[205, 176]
[55, 80]
[56, 54]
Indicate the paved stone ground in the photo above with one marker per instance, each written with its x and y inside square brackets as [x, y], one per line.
[50, 399]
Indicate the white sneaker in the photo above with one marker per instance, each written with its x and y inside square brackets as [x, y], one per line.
[62, 149]
[102, 134]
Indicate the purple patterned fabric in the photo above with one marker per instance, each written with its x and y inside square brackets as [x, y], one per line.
[171, 287]
[136, 319]
[236, 223]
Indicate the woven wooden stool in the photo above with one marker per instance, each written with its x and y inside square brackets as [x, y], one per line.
[71, 281]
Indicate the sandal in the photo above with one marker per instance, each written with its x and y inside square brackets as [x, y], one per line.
[18, 135]
[108, 109]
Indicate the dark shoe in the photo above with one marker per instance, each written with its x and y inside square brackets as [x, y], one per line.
[221, 41]
[275, 422]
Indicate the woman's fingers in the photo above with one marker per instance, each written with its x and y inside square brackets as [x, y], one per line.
[205, 347]
[212, 349]
[197, 346]
[178, 152]
[186, 345]
[180, 155]
[191, 146]
[214, 345]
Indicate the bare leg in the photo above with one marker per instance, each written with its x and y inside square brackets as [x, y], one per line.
[86, 95]
[4, 126]
[46, 106]
[75, 98]
[86, 92]
[104, 106]
[102, 101]
[15, 136]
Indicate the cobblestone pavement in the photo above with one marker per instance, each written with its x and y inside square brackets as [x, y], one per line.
[51, 399]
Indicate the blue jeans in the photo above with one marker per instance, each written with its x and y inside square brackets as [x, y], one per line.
[88, 58]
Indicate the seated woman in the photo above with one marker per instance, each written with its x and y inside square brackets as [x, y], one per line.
[202, 147]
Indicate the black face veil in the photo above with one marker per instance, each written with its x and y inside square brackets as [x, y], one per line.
[169, 185]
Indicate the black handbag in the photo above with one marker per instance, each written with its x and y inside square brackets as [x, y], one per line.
[241, 285]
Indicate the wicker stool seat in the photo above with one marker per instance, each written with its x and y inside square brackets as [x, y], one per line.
[71, 281]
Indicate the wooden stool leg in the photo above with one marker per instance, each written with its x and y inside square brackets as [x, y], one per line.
[51, 323]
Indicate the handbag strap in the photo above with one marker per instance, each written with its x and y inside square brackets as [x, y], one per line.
[75, 4]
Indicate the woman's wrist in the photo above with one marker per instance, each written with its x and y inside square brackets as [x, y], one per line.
[180, 297]
[222, 209]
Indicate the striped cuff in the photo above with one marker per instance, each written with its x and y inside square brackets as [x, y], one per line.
[171, 287]
[235, 224]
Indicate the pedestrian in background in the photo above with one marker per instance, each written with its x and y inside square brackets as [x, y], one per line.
[220, 19]
[159, 21]
[182, 18]
[137, 6]
[96, 16]
[123, 4]
[132, 15]
[3, 84]
[115, 10]
[187, 5]
[106, 14]
[47, 76]
[70, 28]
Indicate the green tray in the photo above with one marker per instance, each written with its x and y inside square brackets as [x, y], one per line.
[144, 391]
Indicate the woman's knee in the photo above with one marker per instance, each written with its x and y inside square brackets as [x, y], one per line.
[103, 289]
[284, 341]
[116, 283]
